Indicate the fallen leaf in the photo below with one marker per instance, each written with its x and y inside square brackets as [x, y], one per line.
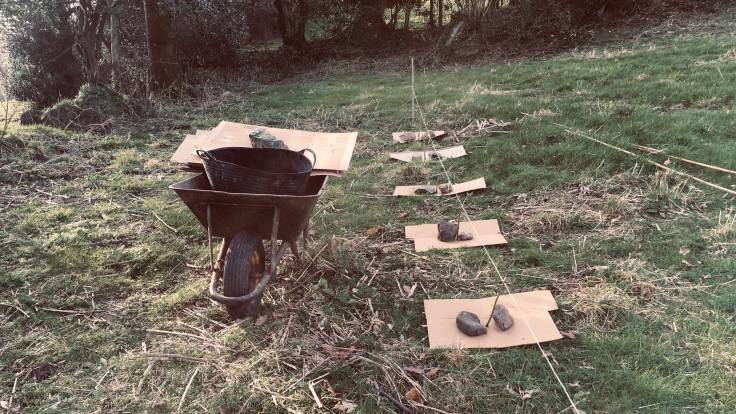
[684, 251]
[345, 406]
[413, 395]
[599, 269]
[568, 334]
[403, 215]
[432, 373]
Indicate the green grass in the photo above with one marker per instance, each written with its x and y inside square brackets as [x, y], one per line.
[90, 260]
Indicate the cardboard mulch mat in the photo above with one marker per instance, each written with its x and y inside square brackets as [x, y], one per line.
[485, 233]
[405, 137]
[534, 306]
[334, 150]
[458, 188]
[430, 155]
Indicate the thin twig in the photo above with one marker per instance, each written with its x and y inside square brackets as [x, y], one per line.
[12, 395]
[144, 376]
[393, 400]
[185, 334]
[177, 357]
[165, 223]
[314, 395]
[15, 307]
[186, 390]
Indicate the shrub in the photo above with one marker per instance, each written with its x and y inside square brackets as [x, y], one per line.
[39, 43]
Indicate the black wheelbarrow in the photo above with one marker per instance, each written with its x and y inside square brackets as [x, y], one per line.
[239, 274]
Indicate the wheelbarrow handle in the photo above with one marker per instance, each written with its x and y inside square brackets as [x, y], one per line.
[205, 155]
[314, 155]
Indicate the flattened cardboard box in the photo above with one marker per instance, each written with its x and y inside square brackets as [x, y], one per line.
[334, 150]
[185, 153]
[458, 188]
[410, 136]
[485, 233]
[411, 156]
[535, 306]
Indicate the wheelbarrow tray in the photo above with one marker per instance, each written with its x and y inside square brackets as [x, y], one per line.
[233, 212]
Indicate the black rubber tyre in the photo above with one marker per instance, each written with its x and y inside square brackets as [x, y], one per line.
[245, 263]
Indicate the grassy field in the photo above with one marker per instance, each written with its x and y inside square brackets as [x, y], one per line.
[96, 251]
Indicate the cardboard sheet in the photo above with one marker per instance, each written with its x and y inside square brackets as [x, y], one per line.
[457, 188]
[535, 306]
[334, 150]
[426, 155]
[185, 154]
[410, 136]
[485, 233]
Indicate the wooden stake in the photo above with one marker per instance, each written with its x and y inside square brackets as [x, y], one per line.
[498, 295]
[413, 93]
[656, 164]
[651, 150]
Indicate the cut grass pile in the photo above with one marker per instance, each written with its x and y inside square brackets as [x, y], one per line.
[103, 303]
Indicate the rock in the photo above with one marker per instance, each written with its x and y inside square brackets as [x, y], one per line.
[426, 189]
[260, 138]
[464, 236]
[469, 324]
[502, 317]
[436, 156]
[445, 188]
[447, 230]
[30, 117]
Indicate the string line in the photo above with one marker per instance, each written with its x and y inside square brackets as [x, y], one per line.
[493, 263]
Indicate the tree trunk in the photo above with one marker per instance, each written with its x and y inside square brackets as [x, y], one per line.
[407, 14]
[431, 13]
[369, 19]
[162, 66]
[114, 8]
[395, 16]
[440, 13]
[292, 22]
[88, 37]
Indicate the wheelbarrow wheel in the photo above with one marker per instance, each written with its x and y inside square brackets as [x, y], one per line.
[244, 266]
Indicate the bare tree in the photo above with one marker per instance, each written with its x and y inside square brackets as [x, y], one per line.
[431, 13]
[163, 69]
[408, 6]
[292, 21]
[8, 110]
[89, 32]
[114, 9]
[440, 13]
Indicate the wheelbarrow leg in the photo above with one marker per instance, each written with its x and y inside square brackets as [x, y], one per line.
[305, 235]
[274, 240]
[220, 263]
[295, 250]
